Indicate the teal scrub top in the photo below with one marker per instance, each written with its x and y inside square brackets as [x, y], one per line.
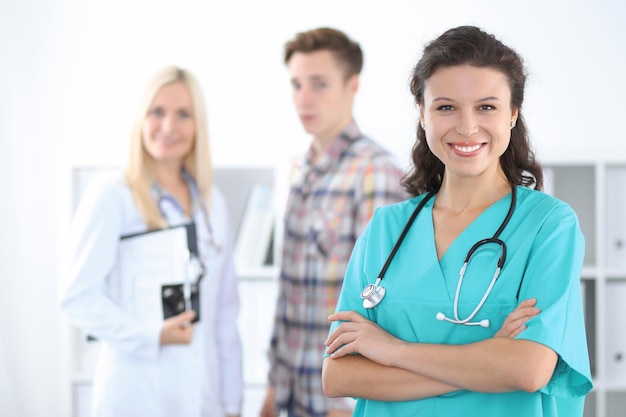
[545, 250]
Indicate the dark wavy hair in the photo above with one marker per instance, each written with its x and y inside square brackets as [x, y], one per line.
[469, 45]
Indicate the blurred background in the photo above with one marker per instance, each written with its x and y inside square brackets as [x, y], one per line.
[71, 72]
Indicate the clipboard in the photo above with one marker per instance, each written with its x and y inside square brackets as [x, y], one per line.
[159, 273]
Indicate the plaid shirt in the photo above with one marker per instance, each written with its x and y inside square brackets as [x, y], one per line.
[328, 207]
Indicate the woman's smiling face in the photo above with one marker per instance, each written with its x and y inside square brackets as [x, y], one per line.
[467, 117]
[169, 128]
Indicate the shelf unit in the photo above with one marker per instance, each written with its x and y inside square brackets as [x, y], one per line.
[258, 286]
[595, 190]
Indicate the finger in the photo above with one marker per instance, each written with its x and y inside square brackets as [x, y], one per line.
[523, 308]
[519, 330]
[342, 351]
[341, 340]
[509, 327]
[522, 314]
[333, 346]
[189, 314]
[185, 318]
[333, 336]
[529, 302]
[514, 326]
[347, 316]
[522, 319]
[515, 322]
[344, 327]
[525, 304]
[527, 313]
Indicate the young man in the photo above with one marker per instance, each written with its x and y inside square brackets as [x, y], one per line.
[333, 194]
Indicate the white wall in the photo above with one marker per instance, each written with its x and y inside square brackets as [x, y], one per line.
[71, 72]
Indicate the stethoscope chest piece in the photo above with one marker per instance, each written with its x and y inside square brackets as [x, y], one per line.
[372, 295]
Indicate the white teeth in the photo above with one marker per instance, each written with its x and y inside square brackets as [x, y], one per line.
[467, 149]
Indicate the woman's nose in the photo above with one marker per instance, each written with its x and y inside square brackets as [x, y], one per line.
[167, 123]
[467, 125]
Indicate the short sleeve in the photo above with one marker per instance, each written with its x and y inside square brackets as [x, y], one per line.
[553, 277]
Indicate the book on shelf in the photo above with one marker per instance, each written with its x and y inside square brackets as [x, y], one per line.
[253, 246]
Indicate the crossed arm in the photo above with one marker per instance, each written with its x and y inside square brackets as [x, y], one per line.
[409, 371]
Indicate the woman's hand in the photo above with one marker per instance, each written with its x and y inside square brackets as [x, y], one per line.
[515, 322]
[178, 330]
[359, 335]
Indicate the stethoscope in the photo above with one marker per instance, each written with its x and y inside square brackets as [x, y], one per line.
[215, 246]
[195, 267]
[373, 294]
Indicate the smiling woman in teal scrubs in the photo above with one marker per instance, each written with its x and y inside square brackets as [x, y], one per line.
[427, 347]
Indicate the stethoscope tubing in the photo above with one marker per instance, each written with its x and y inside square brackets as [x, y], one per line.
[213, 242]
[405, 230]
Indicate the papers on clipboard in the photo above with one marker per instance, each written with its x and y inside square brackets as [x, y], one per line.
[158, 273]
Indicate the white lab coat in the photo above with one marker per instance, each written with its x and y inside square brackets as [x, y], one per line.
[135, 375]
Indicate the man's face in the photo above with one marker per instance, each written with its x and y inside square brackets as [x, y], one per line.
[321, 94]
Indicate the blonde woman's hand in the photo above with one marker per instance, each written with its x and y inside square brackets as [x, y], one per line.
[515, 322]
[178, 330]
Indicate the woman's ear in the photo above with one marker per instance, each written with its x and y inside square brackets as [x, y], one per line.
[514, 116]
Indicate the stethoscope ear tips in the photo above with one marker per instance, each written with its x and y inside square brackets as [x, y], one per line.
[440, 316]
[484, 323]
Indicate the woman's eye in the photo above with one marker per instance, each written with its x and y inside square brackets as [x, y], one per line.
[183, 114]
[319, 86]
[445, 108]
[295, 86]
[487, 107]
[156, 112]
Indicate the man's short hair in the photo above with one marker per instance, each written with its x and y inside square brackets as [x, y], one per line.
[347, 52]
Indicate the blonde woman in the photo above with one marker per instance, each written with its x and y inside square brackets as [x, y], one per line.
[188, 364]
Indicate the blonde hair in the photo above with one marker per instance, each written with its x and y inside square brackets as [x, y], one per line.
[140, 169]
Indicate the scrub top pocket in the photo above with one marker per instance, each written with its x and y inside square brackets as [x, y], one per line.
[415, 320]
